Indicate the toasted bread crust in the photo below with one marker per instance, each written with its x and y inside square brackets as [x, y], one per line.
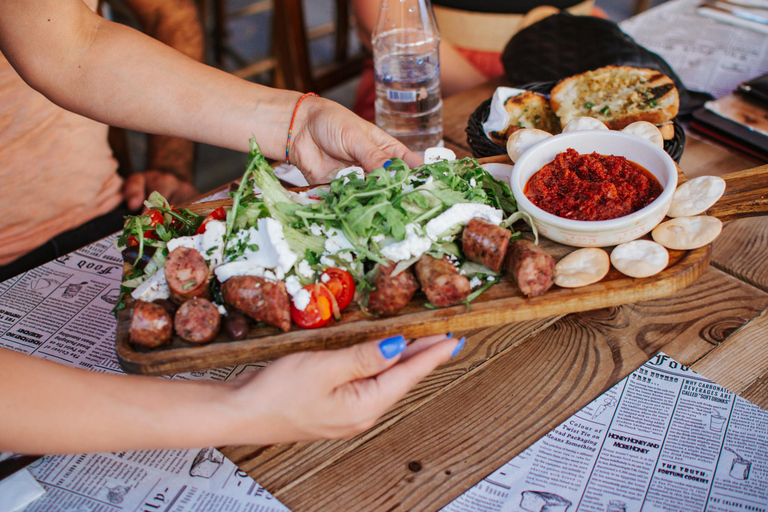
[617, 96]
[527, 110]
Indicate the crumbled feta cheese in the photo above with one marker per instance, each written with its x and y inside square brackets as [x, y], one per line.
[472, 182]
[328, 262]
[325, 278]
[378, 238]
[315, 229]
[491, 278]
[346, 256]
[212, 246]
[305, 270]
[222, 309]
[193, 242]
[475, 282]
[460, 214]
[346, 180]
[301, 299]
[299, 295]
[156, 287]
[412, 246]
[292, 285]
[432, 155]
[273, 253]
[336, 241]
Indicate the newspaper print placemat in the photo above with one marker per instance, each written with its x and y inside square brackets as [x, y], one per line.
[663, 439]
[61, 311]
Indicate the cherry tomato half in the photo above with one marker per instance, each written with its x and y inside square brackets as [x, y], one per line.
[341, 284]
[319, 310]
[155, 217]
[218, 214]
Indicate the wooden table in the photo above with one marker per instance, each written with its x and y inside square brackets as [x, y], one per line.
[512, 384]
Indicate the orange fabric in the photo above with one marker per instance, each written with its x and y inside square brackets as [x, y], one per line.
[56, 168]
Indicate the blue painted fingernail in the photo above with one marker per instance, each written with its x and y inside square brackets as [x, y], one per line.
[392, 347]
[449, 336]
[458, 347]
[387, 164]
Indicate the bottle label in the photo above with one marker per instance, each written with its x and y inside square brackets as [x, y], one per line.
[401, 96]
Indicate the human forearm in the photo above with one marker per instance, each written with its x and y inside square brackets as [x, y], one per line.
[123, 78]
[51, 408]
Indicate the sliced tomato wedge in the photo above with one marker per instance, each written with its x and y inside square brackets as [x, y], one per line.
[218, 214]
[341, 284]
[155, 217]
[319, 311]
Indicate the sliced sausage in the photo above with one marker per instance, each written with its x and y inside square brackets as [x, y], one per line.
[391, 293]
[187, 274]
[261, 299]
[485, 243]
[441, 282]
[197, 321]
[531, 267]
[151, 325]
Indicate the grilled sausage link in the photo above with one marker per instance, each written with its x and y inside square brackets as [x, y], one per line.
[151, 325]
[485, 243]
[187, 274]
[531, 267]
[441, 282]
[261, 299]
[197, 321]
[391, 293]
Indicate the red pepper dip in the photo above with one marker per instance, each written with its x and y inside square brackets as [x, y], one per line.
[591, 187]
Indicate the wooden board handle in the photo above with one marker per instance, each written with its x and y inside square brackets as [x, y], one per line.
[746, 195]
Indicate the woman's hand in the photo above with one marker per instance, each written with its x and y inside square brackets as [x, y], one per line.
[326, 137]
[336, 393]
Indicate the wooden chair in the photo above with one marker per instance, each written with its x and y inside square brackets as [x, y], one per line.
[291, 39]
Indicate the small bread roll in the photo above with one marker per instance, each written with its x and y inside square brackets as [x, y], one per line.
[584, 123]
[582, 267]
[640, 258]
[686, 233]
[520, 141]
[647, 131]
[696, 196]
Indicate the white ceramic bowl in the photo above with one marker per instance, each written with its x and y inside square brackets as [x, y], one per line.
[601, 233]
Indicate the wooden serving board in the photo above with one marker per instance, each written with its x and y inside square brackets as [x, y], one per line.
[747, 194]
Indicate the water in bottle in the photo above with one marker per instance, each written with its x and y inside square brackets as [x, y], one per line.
[407, 64]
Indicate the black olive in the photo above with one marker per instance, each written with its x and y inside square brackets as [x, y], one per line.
[130, 254]
[236, 325]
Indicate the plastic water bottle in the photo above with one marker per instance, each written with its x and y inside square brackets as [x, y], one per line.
[407, 64]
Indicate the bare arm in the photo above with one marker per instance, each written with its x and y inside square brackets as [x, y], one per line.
[50, 408]
[456, 73]
[121, 77]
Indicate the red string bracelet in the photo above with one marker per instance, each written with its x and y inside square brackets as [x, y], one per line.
[293, 118]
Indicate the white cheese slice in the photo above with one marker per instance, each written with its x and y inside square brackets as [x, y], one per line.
[412, 246]
[156, 287]
[336, 242]
[272, 259]
[460, 214]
